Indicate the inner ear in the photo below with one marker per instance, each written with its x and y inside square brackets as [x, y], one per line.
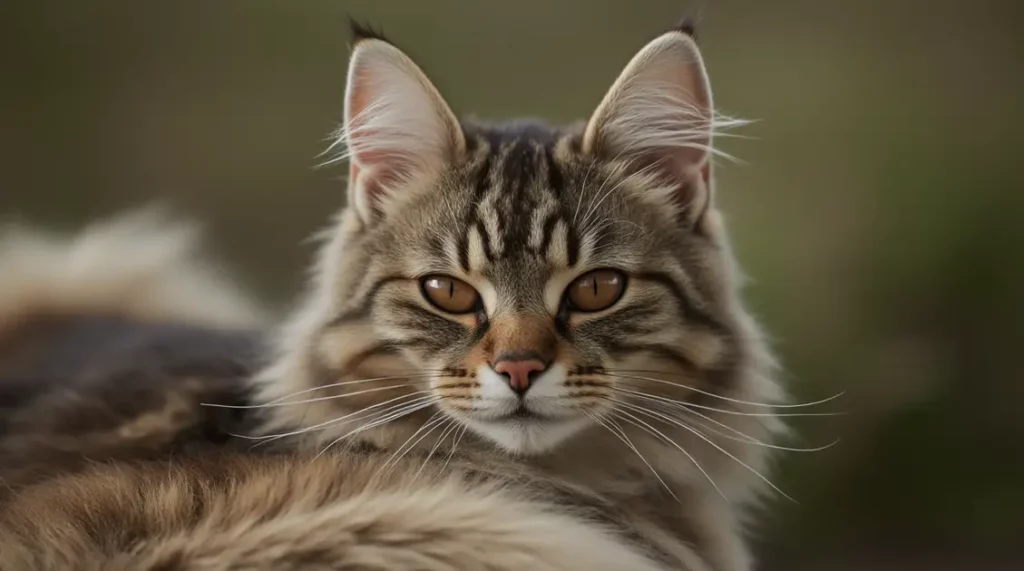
[658, 117]
[397, 129]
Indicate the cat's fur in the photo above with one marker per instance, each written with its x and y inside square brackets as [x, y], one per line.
[109, 342]
[397, 445]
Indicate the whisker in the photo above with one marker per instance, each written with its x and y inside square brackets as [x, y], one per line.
[621, 435]
[433, 422]
[595, 205]
[451, 426]
[583, 188]
[697, 433]
[451, 452]
[418, 375]
[317, 399]
[593, 197]
[340, 418]
[726, 411]
[379, 422]
[711, 394]
[742, 436]
[379, 414]
[650, 429]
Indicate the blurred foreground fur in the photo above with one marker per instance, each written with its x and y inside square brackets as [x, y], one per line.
[110, 340]
[244, 511]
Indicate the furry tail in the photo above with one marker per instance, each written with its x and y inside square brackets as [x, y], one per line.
[138, 265]
[445, 528]
[435, 528]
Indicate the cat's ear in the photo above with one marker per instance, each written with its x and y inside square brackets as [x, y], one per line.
[397, 126]
[659, 116]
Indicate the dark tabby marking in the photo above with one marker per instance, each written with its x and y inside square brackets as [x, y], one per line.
[79, 389]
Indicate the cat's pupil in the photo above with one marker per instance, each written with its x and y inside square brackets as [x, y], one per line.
[596, 291]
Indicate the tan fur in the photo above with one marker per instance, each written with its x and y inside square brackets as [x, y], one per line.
[339, 513]
[138, 265]
[125, 399]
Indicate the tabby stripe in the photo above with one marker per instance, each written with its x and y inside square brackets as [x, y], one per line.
[481, 329]
[480, 186]
[519, 169]
[690, 311]
[382, 348]
[517, 166]
[485, 239]
[572, 244]
[443, 331]
[365, 305]
[420, 312]
[664, 351]
[556, 182]
[630, 319]
[325, 374]
[548, 233]
[463, 385]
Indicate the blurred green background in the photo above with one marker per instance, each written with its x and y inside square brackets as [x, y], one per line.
[878, 211]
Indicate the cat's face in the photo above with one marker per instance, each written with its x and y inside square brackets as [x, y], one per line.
[538, 277]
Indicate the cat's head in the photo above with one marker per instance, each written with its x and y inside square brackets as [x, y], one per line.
[522, 280]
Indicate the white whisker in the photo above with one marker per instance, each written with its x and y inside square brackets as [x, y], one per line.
[741, 436]
[452, 425]
[626, 374]
[317, 399]
[640, 423]
[621, 435]
[725, 411]
[451, 452]
[409, 376]
[595, 205]
[433, 422]
[379, 422]
[583, 189]
[698, 434]
[344, 417]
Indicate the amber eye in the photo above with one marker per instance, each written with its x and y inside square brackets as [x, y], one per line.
[596, 290]
[449, 294]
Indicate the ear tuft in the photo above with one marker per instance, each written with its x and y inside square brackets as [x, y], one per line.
[364, 31]
[688, 26]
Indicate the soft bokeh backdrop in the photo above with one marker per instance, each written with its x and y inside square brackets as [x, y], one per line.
[878, 210]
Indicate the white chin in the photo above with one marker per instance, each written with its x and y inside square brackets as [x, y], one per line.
[528, 436]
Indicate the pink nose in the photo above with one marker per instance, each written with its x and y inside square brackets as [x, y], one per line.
[519, 372]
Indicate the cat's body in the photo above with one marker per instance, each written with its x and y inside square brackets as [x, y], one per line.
[523, 347]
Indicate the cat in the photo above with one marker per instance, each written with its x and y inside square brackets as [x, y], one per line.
[523, 346]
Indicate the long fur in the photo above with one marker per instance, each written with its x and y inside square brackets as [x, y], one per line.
[140, 264]
[239, 512]
[110, 339]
